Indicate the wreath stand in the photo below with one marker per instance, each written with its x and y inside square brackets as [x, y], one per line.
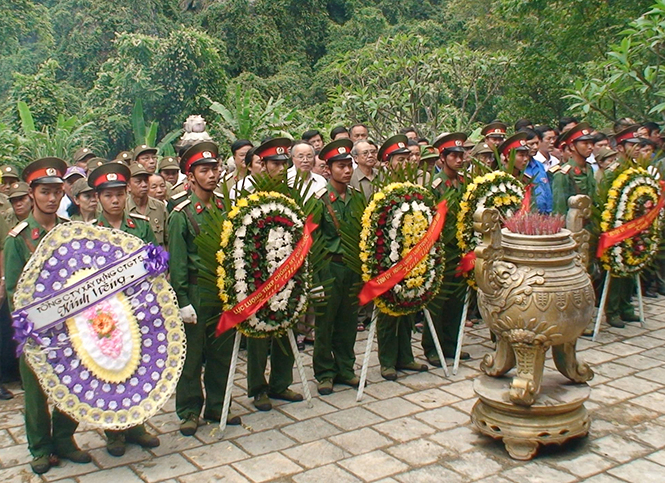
[370, 342]
[232, 371]
[603, 301]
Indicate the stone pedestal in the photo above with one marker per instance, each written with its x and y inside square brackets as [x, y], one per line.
[557, 415]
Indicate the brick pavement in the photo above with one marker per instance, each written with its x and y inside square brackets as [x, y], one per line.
[414, 430]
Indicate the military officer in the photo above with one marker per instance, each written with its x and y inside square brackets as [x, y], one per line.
[199, 163]
[447, 319]
[170, 171]
[138, 201]
[93, 163]
[84, 197]
[515, 146]
[81, 157]
[146, 156]
[274, 155]
[494, 133]
[334, 356]
[575, 177]
[21, 203]
[394, 333]
[9, 176]
[110, 184]
[49, 436]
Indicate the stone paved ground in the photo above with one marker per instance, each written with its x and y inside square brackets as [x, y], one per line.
[414, 430]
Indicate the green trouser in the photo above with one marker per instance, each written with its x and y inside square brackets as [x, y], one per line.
[38, 422]
[619, 296]
[446, 320]
[202, 345]
[281, 365]
[394, 337]
[135, 431]
[336, 329]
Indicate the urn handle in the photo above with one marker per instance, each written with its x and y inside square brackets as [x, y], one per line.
[579, 210]
[487, 222]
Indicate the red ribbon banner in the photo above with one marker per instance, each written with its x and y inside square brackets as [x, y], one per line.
[395, 274]
[466, 263]
[526, 202]
[270, 287]
[630, 229]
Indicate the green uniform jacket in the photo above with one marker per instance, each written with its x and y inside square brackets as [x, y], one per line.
[156, 215]
[134, 224]
[184, 224]
[335, 212]
[569, 181]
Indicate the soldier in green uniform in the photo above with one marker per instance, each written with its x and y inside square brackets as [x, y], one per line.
[146, 156]
[9, 176]
[84, 197]
[138, 201]
[170, 170]
[394, 333]
[334, 354]
[447, 317]
[49, 436]
[575, 177]
[494, 133]
[21, 203]
[199, 163]
[81, 157]
[274, 155]
[110, 184]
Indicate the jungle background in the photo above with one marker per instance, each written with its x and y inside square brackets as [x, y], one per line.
[111, 74]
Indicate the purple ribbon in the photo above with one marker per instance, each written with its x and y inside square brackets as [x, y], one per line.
[157, 260]
[23, 329]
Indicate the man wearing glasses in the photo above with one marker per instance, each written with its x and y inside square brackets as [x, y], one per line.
[365, 154]
[302, 155]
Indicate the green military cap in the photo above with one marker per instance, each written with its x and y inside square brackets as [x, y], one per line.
[143, 148]
[392, 146]
[338, 150]
[81, 155]
[80, 186]
[453, 142]
[604, 153]
[125, 157]
[109, 175]
[18, 189]
[48, 170]
[9, 171]
[481, 148]
[137, 169]
[428, 153]
[168, 162]
[495, 129]
[200, 153]
[94, 163]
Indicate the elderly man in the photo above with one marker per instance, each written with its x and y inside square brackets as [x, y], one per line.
[303, 155]
[365, 154]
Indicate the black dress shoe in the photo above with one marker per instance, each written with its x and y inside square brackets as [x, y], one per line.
[5, 394]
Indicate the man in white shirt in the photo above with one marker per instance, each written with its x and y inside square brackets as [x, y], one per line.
[547, 138]
[302, 155]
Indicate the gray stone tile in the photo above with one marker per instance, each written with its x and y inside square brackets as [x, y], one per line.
[133, 454]
[535, 472]
[640, 471]
[211, 455]
[431, 398]
[635, 385]
[404, 429]
[267, 467]
[326, 474]
[299, 411]
[19, 474]
[393, 408]
[353, 418]
[654, 401]
[658, 457]
[310, 430]
[648, 433]
[619, 349]
[639, 361]
[346, 398]
[209, 433]
[618, 448]
[360, 441]
[170, 466]
[458, 440]
[429, 474]
[462, 389]
[264, 442]
[418, 452]
[386, 389]
[613, 370]
[6, 439]
[119, 474]
[657, 374]
[67, 469]
[260, 420]
[373, 466]
[645, 342]
[597, 355]
[474, 465]
[609, 395]
[443, 418]
[603, 478]
[585, 465]
[426, 380]
[173, 443]
[14, 456]
[224, 474]
[316, 453]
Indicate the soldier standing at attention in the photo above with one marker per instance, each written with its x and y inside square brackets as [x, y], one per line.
[110, 184]
[84, 197]
[50, 436]
[274, 154]
[21, 203]
[334, 356]
[494, 133]
[139, 202]
[199, 163]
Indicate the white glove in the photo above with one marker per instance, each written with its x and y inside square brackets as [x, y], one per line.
[188, 314]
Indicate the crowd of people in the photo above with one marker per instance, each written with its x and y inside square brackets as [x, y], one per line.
[164, 201]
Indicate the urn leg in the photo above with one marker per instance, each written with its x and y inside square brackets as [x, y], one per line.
[501, 361]
[565, 358]
[520, 449]
[530, 364]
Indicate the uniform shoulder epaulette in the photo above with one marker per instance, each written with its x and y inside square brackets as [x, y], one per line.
[93, 221]
[436, 183]
[182, 205]
[218, 194]
[178, 183]
[566, 169]
[320, 193]
[179, 195]
[356, 188]
[64, 218]
[18, 229]
[613, 166]
[228, 176]
[554, 169]
[139, 216]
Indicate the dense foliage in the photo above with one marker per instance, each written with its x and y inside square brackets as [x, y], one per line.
[254, 67]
